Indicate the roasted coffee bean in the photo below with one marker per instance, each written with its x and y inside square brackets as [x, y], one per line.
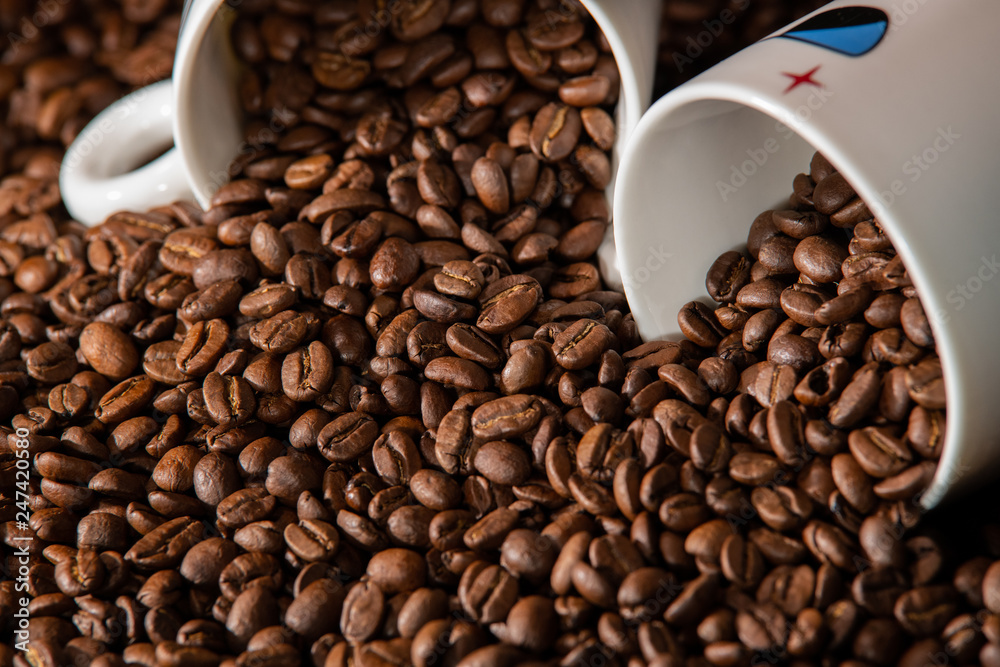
[506, 417]
[108, 350]
[312, 540]
[244, 506]
[698, 324]
[581, 344]
[396, 457]
[408, 305]
[307, 372]
[457, 372]
[507, 302]
[710, 448]
[878, 453]
[125, 400]
[753, 468]
[686, 383]
[347, 437]
[460, 278]
[165, 545]
[396, 570]
[555, 131]
[202, 347]
[728, 275]
[228, 399]
[799, 224]
[490, 531]
[502, 462]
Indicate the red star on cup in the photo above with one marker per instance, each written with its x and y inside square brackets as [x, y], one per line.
[799, 79]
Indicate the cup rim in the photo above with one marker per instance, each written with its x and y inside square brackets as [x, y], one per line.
[630, 93]
[197, 19]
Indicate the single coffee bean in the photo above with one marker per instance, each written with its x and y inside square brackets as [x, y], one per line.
[698, 324]
[878, 453]
[347, 437]
[507, 302]
[506, 417]
[312, 540]
[727, 276]
[502, 462]
[307, 372]
[108, 350]
[555, 131]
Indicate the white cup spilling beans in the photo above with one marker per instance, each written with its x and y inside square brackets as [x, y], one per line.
[900, 99]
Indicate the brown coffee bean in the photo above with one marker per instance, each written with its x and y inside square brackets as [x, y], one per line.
[599, 126]
[108, 350]
[457, 372]
[507, 302]
[362, 613]
[705, 542]
[460, 278]
[165, 545]
[228, 399]
[347, 437]
[727, 276]
[51, 362]
[753, 468]
[907, 484]
[776, 254]
[878, 453]
[244, 506]
[506, 417]
[555, 131]
[125, 400]
[396, 570]
[785, 432]
[829, 544]
[502, 462]
[833, 193]
[394, 265]
[584, 91]
[489, 532]
[819, 258]
[760, 294]
[396, 457]
[858, 397]
[490, 183]
[696, 598]
[853, 482]
[203, 345]
[925, 611]
[307, 372]
[312, 540]
[686, 383]
[581, 344]
[925, 383]
[799, 224]
[710, 448]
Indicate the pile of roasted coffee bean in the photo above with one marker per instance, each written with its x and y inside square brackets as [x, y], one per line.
[376, 408]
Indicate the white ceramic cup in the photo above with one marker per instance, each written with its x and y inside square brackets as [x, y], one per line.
[910, 123]
[199, 111]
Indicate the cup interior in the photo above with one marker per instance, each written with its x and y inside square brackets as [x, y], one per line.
[675, 215]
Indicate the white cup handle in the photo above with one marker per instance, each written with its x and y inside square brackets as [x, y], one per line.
[98, 174]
